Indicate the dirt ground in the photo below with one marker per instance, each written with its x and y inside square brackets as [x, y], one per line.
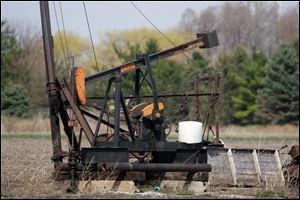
[26, 173]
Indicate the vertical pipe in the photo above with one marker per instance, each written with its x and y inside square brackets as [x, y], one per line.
[48, 42]
[51, 83]
[217, 79]
[160, 134]
[153, 83]
[197, 101]
[117, 110]
[137, 86]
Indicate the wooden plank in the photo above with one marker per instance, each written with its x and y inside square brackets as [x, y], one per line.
[246, 174]
[268, 162]
[241, 166]
[279, 167]
[220, 174]
[243, 158]
[270, 173]
[268, 167]
[266, 158]
[246, 170]
[232, 166]
[256, 164]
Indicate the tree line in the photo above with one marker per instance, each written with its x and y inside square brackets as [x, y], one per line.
[258, 57]
[257, 25]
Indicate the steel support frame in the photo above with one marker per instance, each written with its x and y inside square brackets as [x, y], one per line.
[214, 95]
[162, 152]
[102, 111]
[119, 103]
[74, 106]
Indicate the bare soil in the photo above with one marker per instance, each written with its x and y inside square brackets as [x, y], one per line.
[26, 171]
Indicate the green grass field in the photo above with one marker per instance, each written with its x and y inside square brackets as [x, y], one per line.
[234, 137]
[27, 135]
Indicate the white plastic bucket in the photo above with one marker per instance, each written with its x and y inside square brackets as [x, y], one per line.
[190, 132]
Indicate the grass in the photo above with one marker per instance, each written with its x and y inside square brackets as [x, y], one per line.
[28, 135]
[253, 137]
[259, 129]
[6, 195]
[143, 190]
[47, 135]
[146, 188]
[259, 137]
[267, 193]
[184, 192]
[33, 124]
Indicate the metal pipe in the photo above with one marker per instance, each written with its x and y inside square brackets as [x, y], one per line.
[160, 96]
[168, 167]
[48, 42]
[137, 86]
[117, 109]
[153, 83]
[217, 109]
[197, 99]
[53, 95]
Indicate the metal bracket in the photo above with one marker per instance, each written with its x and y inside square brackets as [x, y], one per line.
[210, 39]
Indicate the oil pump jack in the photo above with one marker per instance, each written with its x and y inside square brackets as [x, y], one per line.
[150, 136]
[144, 137]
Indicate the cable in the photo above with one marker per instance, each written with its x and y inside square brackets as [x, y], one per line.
[69, 54]
[66, 41]
[207, 107]
[161, 32]
[59, 33]
[197, 72]
[91, 38]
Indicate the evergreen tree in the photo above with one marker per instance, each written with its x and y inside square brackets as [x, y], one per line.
[9, 49]
[14, 98]
[202, 64]
[14, 101]
[152, 46]
[243, 77]
[279, 99]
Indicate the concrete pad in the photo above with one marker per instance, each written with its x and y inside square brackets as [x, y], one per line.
[107, 186]
[166, 186]
[173, 186]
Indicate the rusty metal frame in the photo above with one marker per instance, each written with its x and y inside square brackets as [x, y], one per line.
[213, 96]
[74, 106]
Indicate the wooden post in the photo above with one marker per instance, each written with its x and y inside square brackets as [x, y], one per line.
[279, 167]
[232, 166]
[257, 167]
